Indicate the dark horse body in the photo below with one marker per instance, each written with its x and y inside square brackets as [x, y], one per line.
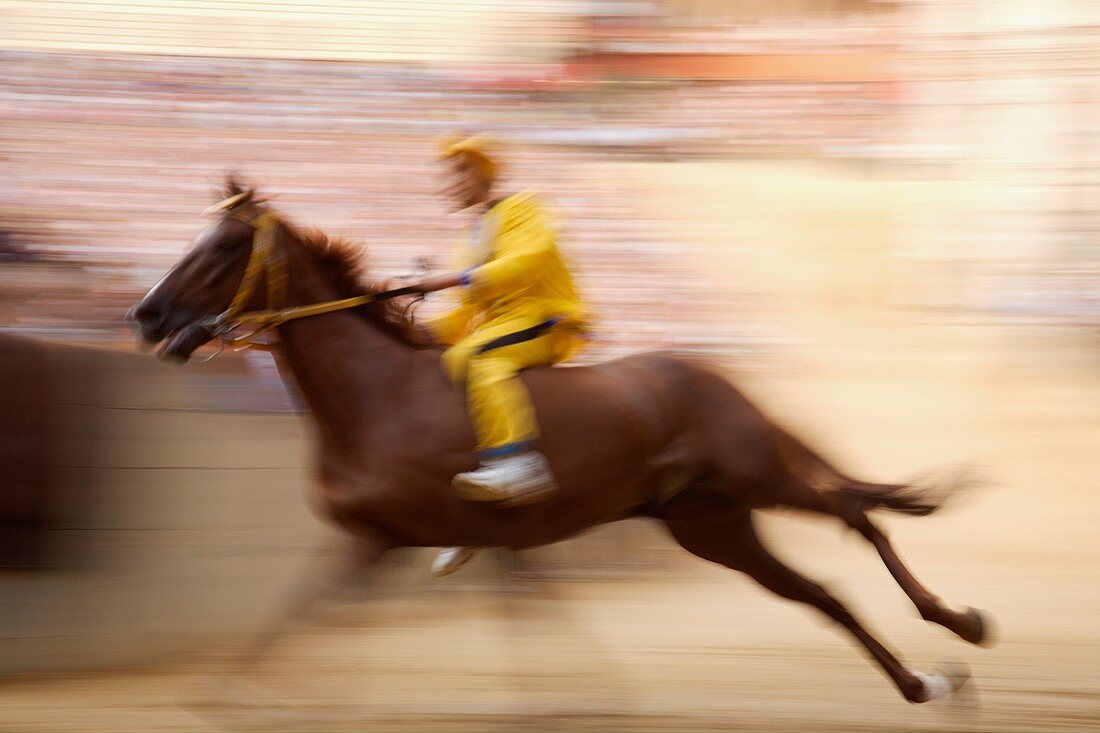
[649, 435]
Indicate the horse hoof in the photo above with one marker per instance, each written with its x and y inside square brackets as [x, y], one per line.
[978, 628]
[948, 683]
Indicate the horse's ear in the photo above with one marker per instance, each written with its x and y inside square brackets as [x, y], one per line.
[235, 185]
[235, 192]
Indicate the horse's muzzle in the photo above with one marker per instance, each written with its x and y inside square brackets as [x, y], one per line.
[182, 343]
[177, 329]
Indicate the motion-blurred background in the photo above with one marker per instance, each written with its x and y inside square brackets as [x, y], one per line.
[881, 216]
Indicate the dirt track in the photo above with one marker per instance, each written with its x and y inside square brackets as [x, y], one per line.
[672, 644]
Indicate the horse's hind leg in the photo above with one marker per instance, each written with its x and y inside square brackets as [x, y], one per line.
[731, 540]
[970, 625]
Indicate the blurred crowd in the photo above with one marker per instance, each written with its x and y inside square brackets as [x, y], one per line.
[107, 161]
[108, 164]
[827, 33]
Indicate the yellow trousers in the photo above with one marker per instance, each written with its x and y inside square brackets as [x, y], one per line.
[487, 363]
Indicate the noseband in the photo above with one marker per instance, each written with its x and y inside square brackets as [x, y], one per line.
[266, 257]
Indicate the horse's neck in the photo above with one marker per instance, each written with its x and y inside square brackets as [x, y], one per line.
[343, 365]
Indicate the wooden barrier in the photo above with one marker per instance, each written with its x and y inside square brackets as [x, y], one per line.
[140, 512]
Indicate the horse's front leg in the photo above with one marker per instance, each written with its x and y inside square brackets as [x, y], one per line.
[321, 580]
[532, 599]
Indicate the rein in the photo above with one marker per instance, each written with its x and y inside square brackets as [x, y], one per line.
[265, 257]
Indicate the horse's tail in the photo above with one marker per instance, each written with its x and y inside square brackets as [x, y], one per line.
[919, 498]
[843, 495]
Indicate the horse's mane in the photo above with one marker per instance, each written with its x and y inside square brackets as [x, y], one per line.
[344, 264]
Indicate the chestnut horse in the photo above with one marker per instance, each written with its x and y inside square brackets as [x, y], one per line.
[650, 435]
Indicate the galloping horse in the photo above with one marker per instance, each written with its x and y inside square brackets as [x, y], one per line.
[644, 436]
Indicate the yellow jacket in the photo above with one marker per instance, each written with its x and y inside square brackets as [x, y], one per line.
[513, 274]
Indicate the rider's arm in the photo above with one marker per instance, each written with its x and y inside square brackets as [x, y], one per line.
[525, 239]
[439, 282]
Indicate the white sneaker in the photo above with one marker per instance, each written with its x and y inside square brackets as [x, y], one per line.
[451, 559]
[519, 479]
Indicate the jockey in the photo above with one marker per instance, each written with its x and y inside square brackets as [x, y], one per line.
[519, 309]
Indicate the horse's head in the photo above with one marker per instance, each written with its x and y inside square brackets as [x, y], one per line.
[180, 308]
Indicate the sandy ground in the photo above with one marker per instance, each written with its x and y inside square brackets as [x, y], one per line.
[652, 640]
[672, 644]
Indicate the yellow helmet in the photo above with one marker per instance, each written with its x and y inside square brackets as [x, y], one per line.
[480, 148]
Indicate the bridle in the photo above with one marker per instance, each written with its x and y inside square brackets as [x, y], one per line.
[268, 259]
